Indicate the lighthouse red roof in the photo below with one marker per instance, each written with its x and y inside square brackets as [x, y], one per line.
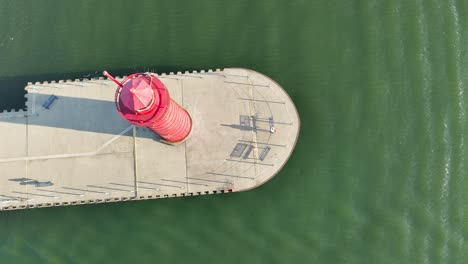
[137, 94]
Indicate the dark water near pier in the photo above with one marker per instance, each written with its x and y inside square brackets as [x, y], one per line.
[378, 172]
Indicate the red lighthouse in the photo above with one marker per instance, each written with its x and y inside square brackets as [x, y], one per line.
[143, 100]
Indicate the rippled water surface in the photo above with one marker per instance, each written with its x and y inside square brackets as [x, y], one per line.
[378, 172]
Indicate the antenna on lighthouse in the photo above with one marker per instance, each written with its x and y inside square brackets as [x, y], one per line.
[105, 73]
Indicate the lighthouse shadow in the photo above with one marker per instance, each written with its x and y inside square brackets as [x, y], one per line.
[73, 113]
[86, 113]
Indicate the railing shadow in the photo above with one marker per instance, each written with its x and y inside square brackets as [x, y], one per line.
[12, 88]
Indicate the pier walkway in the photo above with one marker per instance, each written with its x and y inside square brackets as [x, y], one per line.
[76, 149]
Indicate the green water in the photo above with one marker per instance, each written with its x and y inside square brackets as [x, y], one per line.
[378, 172]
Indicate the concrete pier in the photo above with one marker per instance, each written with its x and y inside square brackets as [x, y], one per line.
[72, 147]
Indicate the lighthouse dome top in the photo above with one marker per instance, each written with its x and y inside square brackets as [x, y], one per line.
[140, 97]
[137, 95]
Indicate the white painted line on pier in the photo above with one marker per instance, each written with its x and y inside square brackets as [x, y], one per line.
[62, 156]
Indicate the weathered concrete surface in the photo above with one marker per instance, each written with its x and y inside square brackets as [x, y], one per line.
[81, 151]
